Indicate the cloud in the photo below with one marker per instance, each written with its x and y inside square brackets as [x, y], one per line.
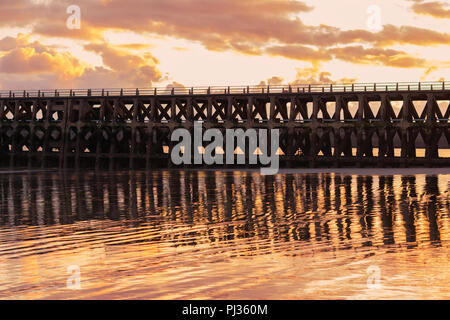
[253, 27]
[19, 56]
[9, 43]
[121, 68]
[355, 54]
[244, 26]
[391, 35]
[180, 48]
[175, 84]
[376, 56]
[274, 81]
[435, 9]
[429, 71]
[34, 64]
[313, 75]
[299, 52]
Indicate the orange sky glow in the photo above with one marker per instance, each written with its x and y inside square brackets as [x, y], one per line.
[157, 43]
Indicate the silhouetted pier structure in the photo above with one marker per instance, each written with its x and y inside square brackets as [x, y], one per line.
[378, 124]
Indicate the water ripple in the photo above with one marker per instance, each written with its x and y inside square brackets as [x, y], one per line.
[212, 234]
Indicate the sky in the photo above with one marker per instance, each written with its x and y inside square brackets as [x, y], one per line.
[48, 44]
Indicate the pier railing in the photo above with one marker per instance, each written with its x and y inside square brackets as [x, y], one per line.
[258, 89]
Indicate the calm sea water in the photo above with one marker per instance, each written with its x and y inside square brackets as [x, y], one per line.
[224, 235]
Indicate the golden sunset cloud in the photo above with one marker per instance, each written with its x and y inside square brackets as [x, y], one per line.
[193, 42]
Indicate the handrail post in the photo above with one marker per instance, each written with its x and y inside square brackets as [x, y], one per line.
[268, 88]
[420, 86]
[137, 91]
[309, 88]
[121, 92]
[173, 91]
[155, 92]
[353, 87]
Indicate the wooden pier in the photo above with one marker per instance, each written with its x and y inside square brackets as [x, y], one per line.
[364, 125]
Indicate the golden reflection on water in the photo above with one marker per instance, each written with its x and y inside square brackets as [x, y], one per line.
[223, 235]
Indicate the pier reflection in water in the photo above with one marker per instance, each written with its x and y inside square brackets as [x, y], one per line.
[223, 234]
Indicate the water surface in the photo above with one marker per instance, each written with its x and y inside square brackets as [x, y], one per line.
[224, 235]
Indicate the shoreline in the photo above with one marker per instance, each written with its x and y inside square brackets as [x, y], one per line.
[356, 171]
[371, 171]
[346, 171]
